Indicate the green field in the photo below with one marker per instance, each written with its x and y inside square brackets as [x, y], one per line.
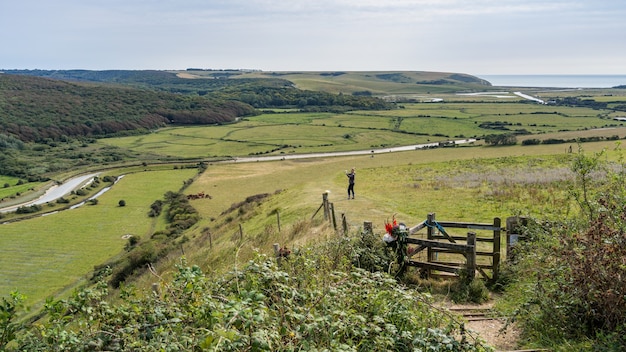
[11, 187]
[284, 133]
[48, 255]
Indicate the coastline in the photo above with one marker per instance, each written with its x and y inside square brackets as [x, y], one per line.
[555, 81]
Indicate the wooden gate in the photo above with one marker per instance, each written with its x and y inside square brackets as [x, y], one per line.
[481, 252]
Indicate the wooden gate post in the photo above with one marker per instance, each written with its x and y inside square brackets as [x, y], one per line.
[471, 255]
[430, 231]
[496, 248]
[344, 224]
[333, 219]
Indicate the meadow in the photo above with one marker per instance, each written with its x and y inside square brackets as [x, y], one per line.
[12, 188]
[50, 255]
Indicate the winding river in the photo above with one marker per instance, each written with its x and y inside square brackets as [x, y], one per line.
[55, 192]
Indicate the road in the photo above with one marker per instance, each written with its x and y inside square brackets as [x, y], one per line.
[349, 153]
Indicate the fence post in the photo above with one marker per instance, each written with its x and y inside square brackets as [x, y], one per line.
[430, 231]
[367, 227]
[278, 220]
[471, 255]
[276, 250]
[332, 210]
[496, 249]
[326, 205]
[207, 232]
[344, 223]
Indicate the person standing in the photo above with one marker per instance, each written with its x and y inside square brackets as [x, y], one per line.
[350, 175]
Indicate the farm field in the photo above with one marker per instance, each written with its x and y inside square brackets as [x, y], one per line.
[11, 187]
[286, 133]
[50, 255]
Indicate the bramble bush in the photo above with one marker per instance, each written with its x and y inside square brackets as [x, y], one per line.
[578, 264]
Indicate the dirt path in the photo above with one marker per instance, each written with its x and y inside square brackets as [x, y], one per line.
[480, 322]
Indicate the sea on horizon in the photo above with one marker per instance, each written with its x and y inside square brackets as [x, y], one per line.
[556, 81]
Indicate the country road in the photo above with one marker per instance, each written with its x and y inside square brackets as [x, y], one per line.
[348, 153]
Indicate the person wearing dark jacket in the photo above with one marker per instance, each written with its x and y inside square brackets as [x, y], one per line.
[351, 175]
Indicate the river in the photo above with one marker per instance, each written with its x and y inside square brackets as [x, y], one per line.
[55, 192]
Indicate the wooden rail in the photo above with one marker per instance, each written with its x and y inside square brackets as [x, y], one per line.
[439, 240]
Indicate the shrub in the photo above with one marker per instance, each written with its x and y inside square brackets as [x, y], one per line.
[370, 253]
[573, 270]
[465, 290]
[532, 141]
[301, 304]
[501, 139]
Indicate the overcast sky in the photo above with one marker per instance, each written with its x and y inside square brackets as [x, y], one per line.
[465, 36]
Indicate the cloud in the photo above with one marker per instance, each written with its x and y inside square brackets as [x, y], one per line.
[448, 35]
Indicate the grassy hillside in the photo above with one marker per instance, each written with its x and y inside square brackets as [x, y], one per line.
[378, 83]
[47, 255]
[346, 82]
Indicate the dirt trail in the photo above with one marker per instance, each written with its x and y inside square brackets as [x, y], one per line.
[481, 322]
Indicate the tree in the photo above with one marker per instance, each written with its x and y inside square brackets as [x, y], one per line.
[501, 139]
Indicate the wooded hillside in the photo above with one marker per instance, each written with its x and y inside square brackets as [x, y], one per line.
[37, 105]
[35, 109]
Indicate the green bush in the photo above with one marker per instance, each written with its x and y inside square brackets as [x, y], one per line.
[302, 304]
[571, 271]
[465, 290]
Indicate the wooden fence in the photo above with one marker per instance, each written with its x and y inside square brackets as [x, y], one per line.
[329, 213]
[480, 254]
[484, 260]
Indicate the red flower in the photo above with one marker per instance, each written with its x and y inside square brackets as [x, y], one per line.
[389, 226]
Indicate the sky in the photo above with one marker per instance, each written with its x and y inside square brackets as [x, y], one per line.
[463, 36]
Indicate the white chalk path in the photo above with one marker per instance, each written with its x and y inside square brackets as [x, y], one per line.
[348, 153]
